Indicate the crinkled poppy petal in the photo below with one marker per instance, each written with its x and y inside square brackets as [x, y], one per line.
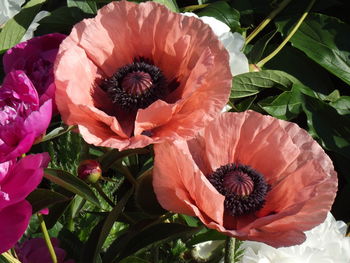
[169, 189]
[157, 114]
[195, 183]
[14, 221]
[266, 147]
[183, 48]
[75, 101]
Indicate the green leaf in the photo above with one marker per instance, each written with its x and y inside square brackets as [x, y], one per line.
[297, 64]
[156, 235]
[111, 157]
[134, 260]
[222, 11]
[244, 104]
[57, 132]
[342, 105]
[43, 198]
[15, 28]
[257, 51]
[325, 40]
[87, 6]
[333, 96]
[285, 106]
[70, 243]
[100, 232]
[332, 129]
[61, 20]
[3, 259]
[252, 83]
[71, 183]
[206, 235]
[190, 220]
[171, 4]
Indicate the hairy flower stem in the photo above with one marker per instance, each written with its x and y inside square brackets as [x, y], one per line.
[267, 20]
[47, 238]
[296, 27]
[230, 250]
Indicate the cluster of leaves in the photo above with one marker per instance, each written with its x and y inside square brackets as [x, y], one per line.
[307, 83]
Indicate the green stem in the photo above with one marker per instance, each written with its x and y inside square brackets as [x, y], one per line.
[230, 250]
[47, 239]
[191, 8]
[10, 258]
[267, 20]
[296, 27]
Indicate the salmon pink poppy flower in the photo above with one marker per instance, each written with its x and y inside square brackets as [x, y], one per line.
[138, 74]
[17, 180]
[249, 176]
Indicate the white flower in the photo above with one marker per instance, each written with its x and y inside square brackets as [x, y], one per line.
[203, 251]
[233, 42]
[8, 9]
[325, 243]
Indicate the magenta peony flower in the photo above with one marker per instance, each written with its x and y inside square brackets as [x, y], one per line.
[22, 118]
[35, 251]
[17, 180]
[36, 57]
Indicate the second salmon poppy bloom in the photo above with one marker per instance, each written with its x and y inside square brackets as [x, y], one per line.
[138, 74]
[249, 176]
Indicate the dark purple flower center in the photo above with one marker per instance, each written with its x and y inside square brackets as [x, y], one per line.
[137, 85]
[244, 188]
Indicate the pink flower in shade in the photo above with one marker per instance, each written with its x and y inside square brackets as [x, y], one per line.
[36, 57]
[249, 176]
[36, 251]
[22, 118]
[17, 180]
[138, 74]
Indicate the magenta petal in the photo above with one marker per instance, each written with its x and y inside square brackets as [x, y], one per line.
[22, 88]
[24, 178]
[14, 221]
[38, 121]
[42, 255]
[16, 57]
[24, 145]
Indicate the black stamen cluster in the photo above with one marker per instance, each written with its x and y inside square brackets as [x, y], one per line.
[131, 102]
[236, 204]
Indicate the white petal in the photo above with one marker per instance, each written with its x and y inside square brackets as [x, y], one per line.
[325, 243]
[204, 250]
[8, 9]
[234, 42]
[216, 25]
